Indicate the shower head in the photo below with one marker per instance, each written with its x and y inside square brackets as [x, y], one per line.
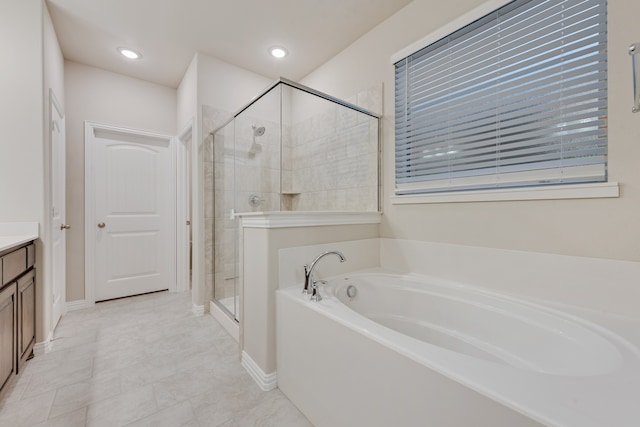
[257, 131]
[255, 147]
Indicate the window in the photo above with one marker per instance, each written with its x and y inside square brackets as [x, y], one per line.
[517, 98]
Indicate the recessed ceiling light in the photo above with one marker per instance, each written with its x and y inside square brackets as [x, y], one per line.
[278, 52]
[128, 53]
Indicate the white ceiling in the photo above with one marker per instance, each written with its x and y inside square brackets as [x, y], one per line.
[169, 32]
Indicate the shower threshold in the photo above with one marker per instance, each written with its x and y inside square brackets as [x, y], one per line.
[222, 314]
[231, 304]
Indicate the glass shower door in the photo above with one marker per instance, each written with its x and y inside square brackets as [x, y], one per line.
[257, 155]
[225, 227]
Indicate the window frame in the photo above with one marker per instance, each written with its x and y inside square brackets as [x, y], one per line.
[604, 189]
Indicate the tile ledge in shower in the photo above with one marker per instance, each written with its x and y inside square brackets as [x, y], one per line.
[306, 219]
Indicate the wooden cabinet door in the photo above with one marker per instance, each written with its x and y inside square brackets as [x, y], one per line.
[26, 316]
[7, 334]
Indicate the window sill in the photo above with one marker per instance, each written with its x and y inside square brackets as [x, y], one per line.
[577, 191]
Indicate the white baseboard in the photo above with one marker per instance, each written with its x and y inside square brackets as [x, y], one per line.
[227, 323]
[77, 305]
[197, 310]
[44, 347]
[266, 382]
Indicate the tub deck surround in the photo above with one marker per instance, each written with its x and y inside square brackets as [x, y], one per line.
[16, 233]
[594, 284]
[286, 219]
[261, 237]
[553, 367]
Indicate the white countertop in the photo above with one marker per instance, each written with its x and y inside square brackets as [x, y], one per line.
[16, 233]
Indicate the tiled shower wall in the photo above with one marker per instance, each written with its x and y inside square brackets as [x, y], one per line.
[257, 164]
[330, 162]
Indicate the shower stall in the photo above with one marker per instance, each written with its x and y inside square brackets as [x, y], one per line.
[291, 148]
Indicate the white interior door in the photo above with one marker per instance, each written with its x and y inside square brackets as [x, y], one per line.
[133, 212]
[58, 218]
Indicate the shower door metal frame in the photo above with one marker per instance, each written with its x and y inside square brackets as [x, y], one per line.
[330, 98]
[284, 81]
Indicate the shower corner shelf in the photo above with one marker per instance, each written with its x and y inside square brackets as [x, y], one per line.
[288, 199]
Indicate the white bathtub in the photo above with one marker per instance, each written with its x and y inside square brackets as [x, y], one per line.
[407, 351]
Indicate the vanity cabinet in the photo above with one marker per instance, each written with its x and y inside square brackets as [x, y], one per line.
[26, 287]
[8, 334]
[17, 311]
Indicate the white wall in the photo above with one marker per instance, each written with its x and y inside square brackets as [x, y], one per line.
[108, 98]
[187, 95]
[33, 64]
[21, 111]
[23, 164]
[53, 66]
[605, 228]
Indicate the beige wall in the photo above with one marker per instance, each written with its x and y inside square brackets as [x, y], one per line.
[107, 98]
[225, 86]
[606, 228]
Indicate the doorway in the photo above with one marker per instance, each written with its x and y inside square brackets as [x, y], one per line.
[57, 222]
[130, 217]
[183, 210]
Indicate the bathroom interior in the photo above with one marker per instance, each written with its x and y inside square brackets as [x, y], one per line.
[345, 286]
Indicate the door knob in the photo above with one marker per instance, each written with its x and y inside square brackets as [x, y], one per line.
[64, 226]
[101, 225]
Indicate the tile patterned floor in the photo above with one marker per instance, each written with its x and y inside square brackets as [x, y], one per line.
[142, 361]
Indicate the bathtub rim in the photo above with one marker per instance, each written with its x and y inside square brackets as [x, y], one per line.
[562, 311]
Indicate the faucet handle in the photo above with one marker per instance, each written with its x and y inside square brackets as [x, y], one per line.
[307, 277]
[315, 293]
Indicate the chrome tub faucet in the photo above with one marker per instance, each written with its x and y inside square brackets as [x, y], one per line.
[309, 283]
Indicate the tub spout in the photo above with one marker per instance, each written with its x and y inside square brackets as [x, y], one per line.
[309, 283]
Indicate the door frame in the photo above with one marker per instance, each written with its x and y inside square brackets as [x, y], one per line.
[89, 203]
[54, 104]
[184, 146]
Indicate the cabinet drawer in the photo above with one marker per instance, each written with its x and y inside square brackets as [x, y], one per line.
[31, 255]
[13, 264]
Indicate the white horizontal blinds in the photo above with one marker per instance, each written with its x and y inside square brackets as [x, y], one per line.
[516, 98]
